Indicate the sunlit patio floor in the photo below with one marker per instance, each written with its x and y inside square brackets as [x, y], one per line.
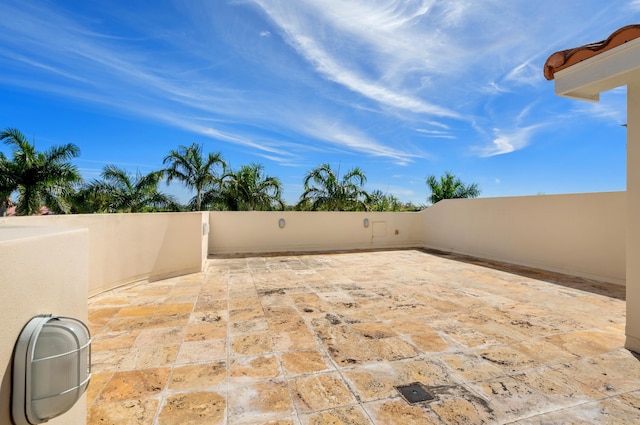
[325, 339]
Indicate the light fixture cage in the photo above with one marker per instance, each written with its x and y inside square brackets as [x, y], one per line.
[51, 368]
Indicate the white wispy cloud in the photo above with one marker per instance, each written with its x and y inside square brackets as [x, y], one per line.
[348, 138]
[507, 141]
[438, 134]
[374, 27]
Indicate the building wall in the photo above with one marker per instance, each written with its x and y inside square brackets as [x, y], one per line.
[579, 234]
[43, 270]
[633, 212]
[259, 232]
[125, 248]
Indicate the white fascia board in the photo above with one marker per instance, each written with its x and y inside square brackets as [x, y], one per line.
[587, 79]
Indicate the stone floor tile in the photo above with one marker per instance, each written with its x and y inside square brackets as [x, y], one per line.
[204, 331]
[300, 362]
[611, 373]
[430, 371]
[174, 308]
[606, 412]
[562, 391]
[193, 408]
[168, 320]
[248, 326]
[409, 326]
[134, 384]
[319, 392]
[254, 368]
[345, 347]
[113, 340]
[252, 344]
[586, 343]
[159, 336]
[294, 341]
[430, 342]
[458, 405]
[350, 415]
[373, 381]
[631, 398]
[545, 352]
[137, 311]
[101, 316]
[211, 302]
[128, 412]
[373, 330]
[507, 358]
[470, 366]
[152, 356]
[98, 381]
[259, 403]
[245, 314]
[208, 316]
[197, 377]
[393, 348]
[202, 351]
[514, 397]
[399, 412]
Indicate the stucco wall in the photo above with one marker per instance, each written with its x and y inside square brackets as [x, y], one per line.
[579, 234]
[43, 270]
[125, 248]
[258, 232]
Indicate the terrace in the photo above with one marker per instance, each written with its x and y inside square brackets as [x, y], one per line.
[529, 327]
[326, 338]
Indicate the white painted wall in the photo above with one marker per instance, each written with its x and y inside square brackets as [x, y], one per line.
[579, 234]
[258, 232]
[125, 248]
[42, 270]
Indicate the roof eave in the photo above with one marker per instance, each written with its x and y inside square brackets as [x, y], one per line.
[587, 79]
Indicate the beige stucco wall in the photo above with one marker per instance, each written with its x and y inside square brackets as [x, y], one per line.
[579, 234]
[258, 232]
[632, 219]
[43, 270]
[126, 248]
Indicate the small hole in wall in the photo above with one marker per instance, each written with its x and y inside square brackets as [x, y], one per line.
[397, 232]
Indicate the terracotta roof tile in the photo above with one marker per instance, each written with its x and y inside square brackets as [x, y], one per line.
[566, 58]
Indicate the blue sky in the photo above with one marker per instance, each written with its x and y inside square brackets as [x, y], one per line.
[402, 89]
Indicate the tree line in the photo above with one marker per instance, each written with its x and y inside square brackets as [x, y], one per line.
[49, 178]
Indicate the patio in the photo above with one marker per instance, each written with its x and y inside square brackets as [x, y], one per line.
[325, 338]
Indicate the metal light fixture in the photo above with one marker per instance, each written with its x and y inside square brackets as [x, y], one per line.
[281, 223]
[365, 222]
[51, 368]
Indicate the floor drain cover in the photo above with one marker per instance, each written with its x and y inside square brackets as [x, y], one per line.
[414, 393]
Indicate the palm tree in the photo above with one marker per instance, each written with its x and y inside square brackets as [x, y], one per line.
[132, 193]
[40, 178]
[380, 201]
[325, 190]
[249, 189]
[450, 187]
[188, 165]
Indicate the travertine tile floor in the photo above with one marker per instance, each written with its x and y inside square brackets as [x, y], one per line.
[324, 339]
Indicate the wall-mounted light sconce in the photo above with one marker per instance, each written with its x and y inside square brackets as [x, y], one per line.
[365, 222]
[281, 223]
[51, 368]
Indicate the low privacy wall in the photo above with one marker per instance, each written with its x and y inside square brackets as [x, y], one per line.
[125, 248]
[264, 232]
[42, 271]
[580, 234]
